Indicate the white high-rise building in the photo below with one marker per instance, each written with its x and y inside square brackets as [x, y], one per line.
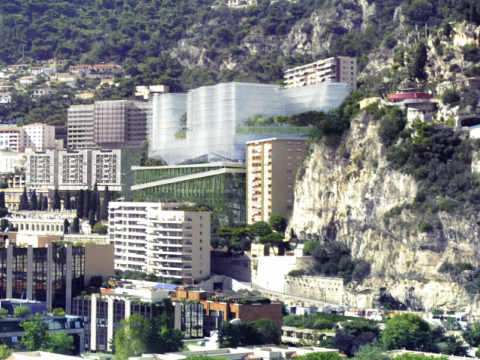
[41, 170]
[41, 137]
[160, 238]
[74, 170]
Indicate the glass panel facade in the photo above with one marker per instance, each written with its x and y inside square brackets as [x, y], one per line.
[19, 271]
[109, 122]
[40, 269]
[78, 270]
[59, 277]
[192, 320]
[3, 273]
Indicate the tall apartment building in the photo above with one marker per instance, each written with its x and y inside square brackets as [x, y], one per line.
[106, 169]
[336, 69]
[38, 137]
[118, 124]
[11, 138]
[161, 239]
[81, 169]
[53, 274]
[42, 170]
[74, 170]
[272, 166]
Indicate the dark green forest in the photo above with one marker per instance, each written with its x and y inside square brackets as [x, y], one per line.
[140, 35]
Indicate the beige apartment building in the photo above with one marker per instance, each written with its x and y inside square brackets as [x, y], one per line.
[160, 238]
[272, 166]
[336, 69]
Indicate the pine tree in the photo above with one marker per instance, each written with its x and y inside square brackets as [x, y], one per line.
[80, 204]
[45, 203]
[34, 201]
[2, 200]
[66, 224]
[91, 218]
[86, 205]
[66, 202]
[106, 200]
[56, 201]
[75, 226]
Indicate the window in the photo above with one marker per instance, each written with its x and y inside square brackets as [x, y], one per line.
[289, 157]
[201, 233]
[299, 143]
[201, 225]
[289, 179]
[289, 164]
[289, 207]
[200, 240]
[289, 186]
[289, 200]
[289, 171]
[201, 217]
[289, 142]
[298, 164]
[200, 271]
[289, 150]
[299, 157]
[299, 150]
[200, 248]
[290, 193]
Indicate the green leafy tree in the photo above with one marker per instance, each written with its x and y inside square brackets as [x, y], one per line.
[278, 222]
[21, 311]
[66, 202]
[5, 352]
[56, 201]
[273, 240]
[3, 313]
[80, 203]
[60, 343]
[327, 355]
[372, 351]
[260, 228]
[406, 331]
[34, 201]
[75, 229]
[36, 333]
[472, 336]
[58, 312]
[99, 228]
[269, 331]
[130, 339]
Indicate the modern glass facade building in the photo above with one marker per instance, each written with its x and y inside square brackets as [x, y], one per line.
[218, 185]
[216, 116]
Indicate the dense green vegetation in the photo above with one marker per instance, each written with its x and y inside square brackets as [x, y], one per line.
[334, 259]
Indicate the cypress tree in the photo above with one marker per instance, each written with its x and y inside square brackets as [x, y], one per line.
[66, 202]
[45, 203]
[418, 67]
[106, 200]
[66, 224]
[34, 201]
[80, 203]
[86, 205]
[40, 202]
[473, 13]
[75, 226]
[4, 224]
[24, 200]
[56, 201]
[91, 218]
[2, 200]
[93, 199]
[98, 210]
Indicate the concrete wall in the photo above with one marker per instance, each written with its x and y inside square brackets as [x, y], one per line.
[237, 268]
[315, 287]
[99, 260]
[271, 272]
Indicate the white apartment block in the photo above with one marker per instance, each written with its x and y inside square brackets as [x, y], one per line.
[336, 69]
[74, 170]
[39, 137]
[11, 139]
[80, 127]
[106, 169]
[11, 162]
[41, 170]
[158, 238]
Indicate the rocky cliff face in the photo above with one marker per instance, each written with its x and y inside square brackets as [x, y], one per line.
[344, 194]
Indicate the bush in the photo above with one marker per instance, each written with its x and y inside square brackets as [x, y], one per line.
[296, 273]
[390, 126]
[21, 311]
[450, 97]
[425, 227]
[100, 229]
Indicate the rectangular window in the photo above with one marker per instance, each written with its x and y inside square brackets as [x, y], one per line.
[289, 150]
[289, 164]
[299, 150]
[289, 157]
[289, 207]
[289, 186]
[289, 171]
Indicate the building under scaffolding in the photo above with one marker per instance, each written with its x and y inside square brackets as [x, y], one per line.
[215, 129]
